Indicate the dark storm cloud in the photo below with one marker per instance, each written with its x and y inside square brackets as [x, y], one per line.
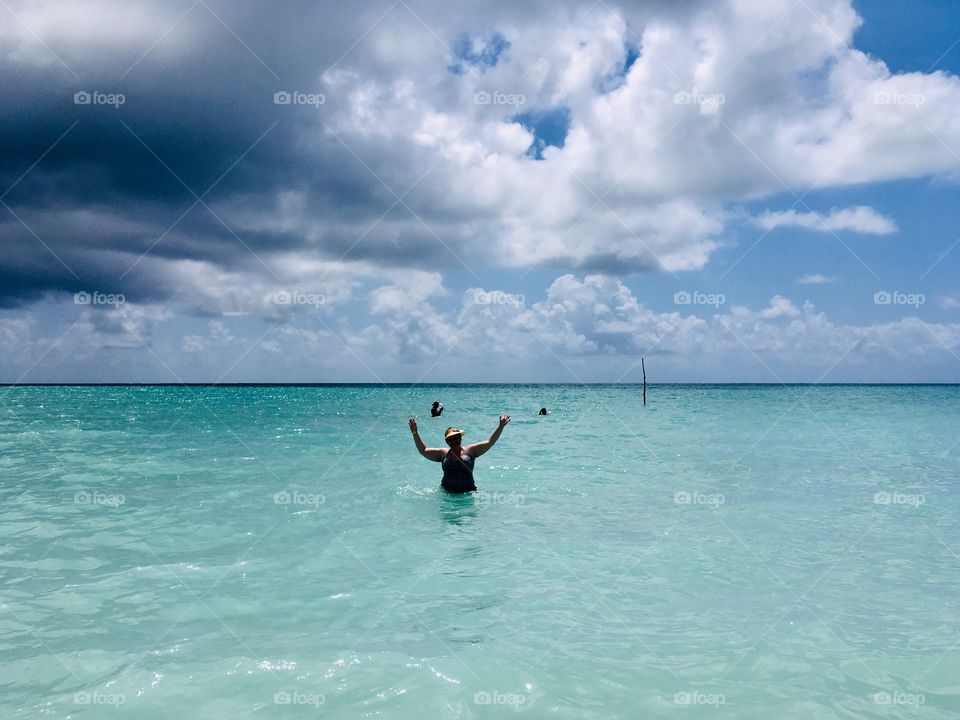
[201, 103]
[198, 113]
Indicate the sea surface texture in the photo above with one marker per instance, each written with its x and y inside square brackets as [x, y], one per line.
[284, 552]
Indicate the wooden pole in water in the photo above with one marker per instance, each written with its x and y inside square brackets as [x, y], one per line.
[643, 365]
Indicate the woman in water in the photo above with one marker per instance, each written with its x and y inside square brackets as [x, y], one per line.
[457, 459]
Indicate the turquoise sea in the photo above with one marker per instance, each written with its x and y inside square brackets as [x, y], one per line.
[727, 551]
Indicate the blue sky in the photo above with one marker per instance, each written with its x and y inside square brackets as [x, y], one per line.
[499, 194]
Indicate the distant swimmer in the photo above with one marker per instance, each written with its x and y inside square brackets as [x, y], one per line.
[457, 459]
[436, 410]
[543, 411]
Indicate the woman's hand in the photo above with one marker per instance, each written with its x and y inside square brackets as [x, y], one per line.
[413, 425]
[504, 419]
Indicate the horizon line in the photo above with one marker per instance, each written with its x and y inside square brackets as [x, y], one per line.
[462, 383]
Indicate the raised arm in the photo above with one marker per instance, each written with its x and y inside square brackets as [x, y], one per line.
[435, 454]
[480, 448]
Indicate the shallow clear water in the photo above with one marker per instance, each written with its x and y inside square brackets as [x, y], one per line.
[725, 552]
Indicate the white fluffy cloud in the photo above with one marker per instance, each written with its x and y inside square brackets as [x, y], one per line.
[590, 328]
[741, 99]
[599, 316]
[859, 219]
[595, 328]
[815, 279]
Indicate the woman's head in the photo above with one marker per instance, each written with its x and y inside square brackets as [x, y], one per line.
[453, 436]
[436, 403]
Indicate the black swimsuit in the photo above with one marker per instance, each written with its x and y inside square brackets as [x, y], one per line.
[458, 472]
